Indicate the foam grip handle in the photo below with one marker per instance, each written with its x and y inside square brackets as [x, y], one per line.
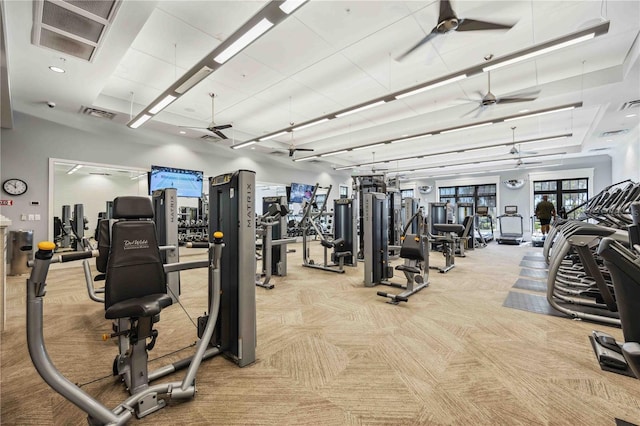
[197, 245]
[401, 299]
[76, 255]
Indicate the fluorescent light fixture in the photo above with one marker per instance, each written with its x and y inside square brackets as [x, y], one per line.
[360, 148]
[306, 158]
[539, 52]
[291, 5]
[630, 115]
[242, 42]
[411, 138]
[345, 167]
[275, 135]
[139, 176]
[329, 154]
[313, 123]
[362, 108]
[473, 126]
[162, 104]
[56, 69]
[196, 78]
[243, 144]
[432, 86]
[75, 169]
[538, 114]
[140, 121]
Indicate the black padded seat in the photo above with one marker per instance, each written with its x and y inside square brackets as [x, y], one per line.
[135, 283]
[104, 244]
[145, 306]
[413, 248]
[448, 227]
[340, 254]
[332, 244]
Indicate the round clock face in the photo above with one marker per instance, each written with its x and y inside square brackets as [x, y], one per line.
[14, 186]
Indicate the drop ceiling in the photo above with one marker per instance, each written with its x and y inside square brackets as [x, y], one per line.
[331, 55]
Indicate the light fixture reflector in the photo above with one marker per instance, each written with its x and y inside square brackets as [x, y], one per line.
[275, 135]
[290, 5]
[432, 86]
[313, 123]
[196, 78]
[539, 52]
[329, 154]
[140, 121]
[537, 114]
[162, 104]
[243, 41]
[243, 144]
[360, 148]
[306, 158]
[411, 138]
[457, 129]
[362, 108]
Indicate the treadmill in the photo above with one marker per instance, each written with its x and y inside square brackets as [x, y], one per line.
[511, 227]
[484, 225]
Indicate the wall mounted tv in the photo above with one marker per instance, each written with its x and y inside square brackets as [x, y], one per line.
[300, 192]
[187, 182]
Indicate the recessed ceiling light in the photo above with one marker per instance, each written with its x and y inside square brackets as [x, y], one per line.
[56, 69]
[182, 132]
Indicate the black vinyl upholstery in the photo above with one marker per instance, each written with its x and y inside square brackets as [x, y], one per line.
[103, 245]
[135, 282]
[624, 267]
[413, 247]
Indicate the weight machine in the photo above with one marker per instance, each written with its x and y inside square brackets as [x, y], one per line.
[414, 250]
[310, 220]
[274, 247]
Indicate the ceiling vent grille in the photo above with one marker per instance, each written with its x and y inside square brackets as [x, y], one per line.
[97, 113]
[73, 27]
[613, 133]
[630, 104]
[210, 138]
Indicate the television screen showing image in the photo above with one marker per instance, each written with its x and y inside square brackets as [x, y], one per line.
[300, 192]
[187, 182]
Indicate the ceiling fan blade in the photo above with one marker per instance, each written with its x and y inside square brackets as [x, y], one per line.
[303, 149]
[191, 127]
[222, 126]
[428, 37]
[446, 11]
[533, 162]
[475, 25]
[472, 111]
[513, 100]
[219, 133]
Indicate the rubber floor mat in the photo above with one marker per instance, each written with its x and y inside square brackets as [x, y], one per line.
[620, 422]
[533, 273]
[534, 265]
[530, 303]
[532, 285]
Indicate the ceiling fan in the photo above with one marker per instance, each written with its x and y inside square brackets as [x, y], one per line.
[213, 128]
[448, 21]
[515, 149]
[488, 99]
[292, 145]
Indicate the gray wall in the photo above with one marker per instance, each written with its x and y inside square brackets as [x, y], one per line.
[27, 147]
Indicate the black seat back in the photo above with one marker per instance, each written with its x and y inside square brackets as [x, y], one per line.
[413, 247]
[624, 266]
[104, 244]
[134, 267]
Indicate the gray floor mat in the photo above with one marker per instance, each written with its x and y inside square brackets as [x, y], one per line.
[535, 265]
[532, 285]
[620, 422]
[533, 273]
[530, 303]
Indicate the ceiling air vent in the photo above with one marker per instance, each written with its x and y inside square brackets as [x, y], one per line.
[613, 133]
[630, 104]
[210, 138]
[97, 113]
[73, 27]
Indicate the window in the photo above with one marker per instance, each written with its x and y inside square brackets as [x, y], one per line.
[480, 195]
[567, 193]
[406, 193]
[344, 191]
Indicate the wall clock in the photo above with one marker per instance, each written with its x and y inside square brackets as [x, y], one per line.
[14, 186]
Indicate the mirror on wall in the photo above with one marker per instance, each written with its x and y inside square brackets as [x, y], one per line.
[90, 185]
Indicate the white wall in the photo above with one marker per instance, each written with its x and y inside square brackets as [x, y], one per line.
[27, 148]
[626, 159]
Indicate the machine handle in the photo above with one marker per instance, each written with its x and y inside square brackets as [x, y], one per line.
[75, 255]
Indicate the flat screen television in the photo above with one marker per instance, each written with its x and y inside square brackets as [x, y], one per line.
[300, 192]
[187, 182]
